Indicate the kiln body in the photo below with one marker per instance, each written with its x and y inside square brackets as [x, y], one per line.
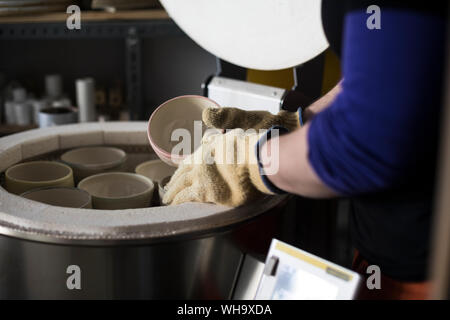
[186, 251]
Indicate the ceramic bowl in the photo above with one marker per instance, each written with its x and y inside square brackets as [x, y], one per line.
[118, 190]
[61, 197]
[161, 188]
[36, 174]
[88, 161]
[177, 113]
[156, 170]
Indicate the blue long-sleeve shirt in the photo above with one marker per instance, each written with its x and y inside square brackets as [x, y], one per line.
[380, 132]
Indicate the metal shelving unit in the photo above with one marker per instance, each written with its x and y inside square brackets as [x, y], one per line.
[89, 30]
[132, 27]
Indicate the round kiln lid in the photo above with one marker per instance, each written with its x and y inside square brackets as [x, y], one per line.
[23, 218]
[265, 35]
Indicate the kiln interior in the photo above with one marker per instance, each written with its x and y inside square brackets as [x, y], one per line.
[34, 220]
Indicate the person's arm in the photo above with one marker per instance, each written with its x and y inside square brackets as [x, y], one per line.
[294, 147]
[380, 131]
[295, 173]
[322, 103]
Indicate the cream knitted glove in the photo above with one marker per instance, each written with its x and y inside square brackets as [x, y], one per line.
[223, 170]
[230, 118]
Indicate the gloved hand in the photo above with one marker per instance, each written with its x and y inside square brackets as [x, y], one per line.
[231, 118]
[218, 181]
[223, 170]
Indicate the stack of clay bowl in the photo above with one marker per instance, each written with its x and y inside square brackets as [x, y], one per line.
[97, 172]
[48, 182]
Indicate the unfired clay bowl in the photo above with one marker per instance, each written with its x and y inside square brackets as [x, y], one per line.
[177, 113]
[60, 196]
[37, 174]
[118, 190]
[156, 170]
[88, 161]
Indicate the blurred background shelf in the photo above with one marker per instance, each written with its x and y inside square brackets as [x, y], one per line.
[145, 23]
[97, 16]
[144, 50]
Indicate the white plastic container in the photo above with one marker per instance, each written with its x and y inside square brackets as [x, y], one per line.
[37, 106]
[19, 110]
[85, 89]
[53, 86]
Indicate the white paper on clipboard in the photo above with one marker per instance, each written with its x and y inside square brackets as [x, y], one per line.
[294, 274]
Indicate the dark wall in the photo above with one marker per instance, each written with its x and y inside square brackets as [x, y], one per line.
[174, 66]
